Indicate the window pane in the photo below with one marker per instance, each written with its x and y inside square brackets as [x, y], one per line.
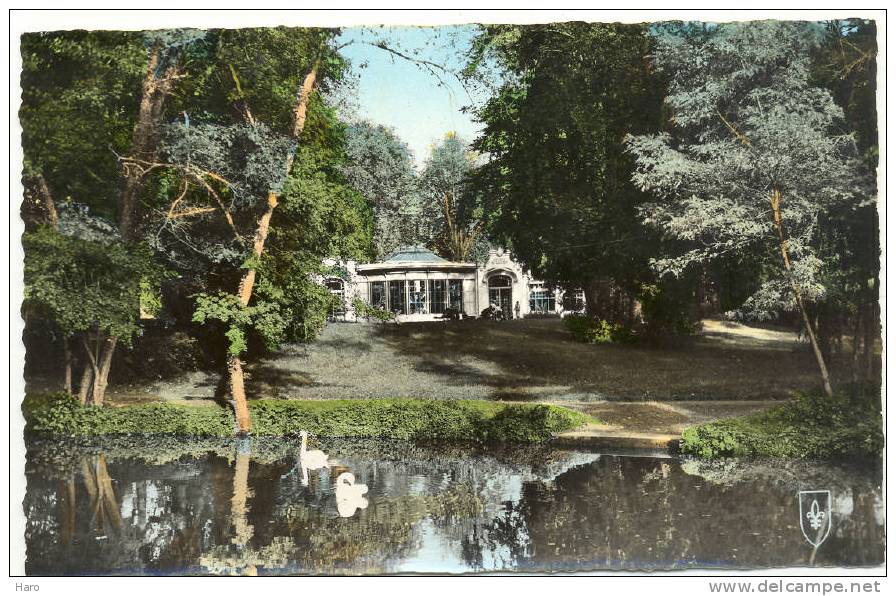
[378, 294]
[438, 296]
[336, 287]
[542, 300]
[499, 281]
[417, 296]
[456, 294]
[397, 299]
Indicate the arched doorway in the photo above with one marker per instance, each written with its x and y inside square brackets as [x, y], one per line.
[500, 292]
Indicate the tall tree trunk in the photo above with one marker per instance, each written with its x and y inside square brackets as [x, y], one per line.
[67, 356]
[247, 282]
[144, 143]
[99, 363]
[88, 390]
[105, 364]
[86, 384]
[38, 208]
[797, 292]
[244, 292]
[300, 112]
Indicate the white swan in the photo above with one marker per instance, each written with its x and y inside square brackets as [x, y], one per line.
[349, 495]
[310, 460]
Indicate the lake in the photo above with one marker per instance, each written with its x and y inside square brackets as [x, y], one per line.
[159, 506]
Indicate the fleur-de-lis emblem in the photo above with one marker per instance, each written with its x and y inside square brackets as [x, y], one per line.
[815, 517]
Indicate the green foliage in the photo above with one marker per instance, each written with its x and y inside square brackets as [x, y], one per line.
[591, 330]
[380, 167]
[60, 414]
[261, 68]
[811, 426]
[80, 93]
[263, 317]
[366, 311]
[556, 188]
[446, 173]
[250, 157]
[321, 216]
[460, 420]
[666, 308]
[746, 117]
[82, 284]
[846, 65]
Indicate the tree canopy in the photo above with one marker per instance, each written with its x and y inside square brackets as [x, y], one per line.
[556, 186]
[757, 157]
[379, 165]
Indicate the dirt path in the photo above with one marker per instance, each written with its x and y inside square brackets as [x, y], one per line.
[651, 424]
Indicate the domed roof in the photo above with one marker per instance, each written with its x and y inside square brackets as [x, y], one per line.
[414, 254]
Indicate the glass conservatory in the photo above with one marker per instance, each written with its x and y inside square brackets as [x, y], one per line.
[418, 285]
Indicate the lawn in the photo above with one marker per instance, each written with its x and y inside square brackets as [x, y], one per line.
[521, 360]
[535, 360]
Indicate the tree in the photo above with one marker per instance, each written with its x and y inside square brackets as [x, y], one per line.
[379, 165]
[556, 187]
[322, 217]
[758, 157]
[845, 64]
[77, 113]
[230, 177]
[78, 90]
[449, 220]
[90, 284]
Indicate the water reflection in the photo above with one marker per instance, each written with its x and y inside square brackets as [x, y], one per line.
[234, 508]
[349, 496]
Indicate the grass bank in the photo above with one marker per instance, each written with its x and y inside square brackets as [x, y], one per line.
[810, 426]
[416, 419]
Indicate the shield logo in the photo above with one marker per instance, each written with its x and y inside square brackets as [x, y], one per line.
[815, 515]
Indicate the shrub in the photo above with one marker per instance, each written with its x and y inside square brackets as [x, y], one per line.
[61, 414]
[594, 331]
[362, 309]
[668, 308]
[812, 425]
[455, 420]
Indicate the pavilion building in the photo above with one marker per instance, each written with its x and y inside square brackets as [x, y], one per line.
[418, 285]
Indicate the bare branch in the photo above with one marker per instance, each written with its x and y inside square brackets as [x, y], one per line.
[734, 130]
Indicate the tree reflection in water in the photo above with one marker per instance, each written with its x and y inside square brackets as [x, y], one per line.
[232, 508]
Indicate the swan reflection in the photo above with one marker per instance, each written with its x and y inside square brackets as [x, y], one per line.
[349, 496]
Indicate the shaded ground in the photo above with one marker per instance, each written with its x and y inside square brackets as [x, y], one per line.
[523, 360]
[536, 360]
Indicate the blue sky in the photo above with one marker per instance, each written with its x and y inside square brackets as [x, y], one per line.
[397, 93]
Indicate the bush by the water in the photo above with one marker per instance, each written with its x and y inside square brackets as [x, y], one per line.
[594, 331]
[460, 420]
[810, 426]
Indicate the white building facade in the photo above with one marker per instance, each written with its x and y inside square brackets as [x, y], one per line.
[418, 285]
